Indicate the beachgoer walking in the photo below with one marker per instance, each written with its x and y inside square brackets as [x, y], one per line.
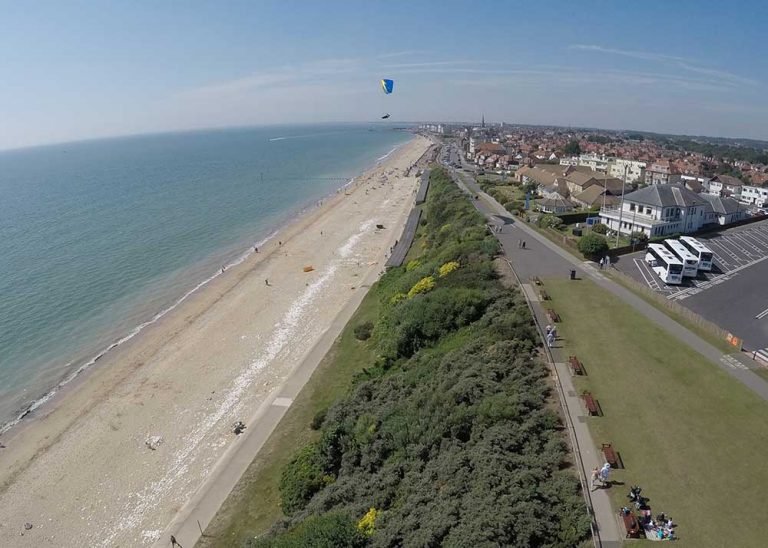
[256, 249]
[602, 262]
[266, 281]
[174, 542]
[550, 340]
[605, 472]
[279, 243]
[523, 244]
[594, 479]
[549, 329]
[222, 270]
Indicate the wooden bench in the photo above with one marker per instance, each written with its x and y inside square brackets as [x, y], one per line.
[552, 315]
[610, 455]
[543, 295]
[576, 366]
[590, 403]
[631, 525]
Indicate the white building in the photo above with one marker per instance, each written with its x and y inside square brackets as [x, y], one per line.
[659, 210]
[593, 161]
[572, 161]
[635, 169]
[756, 195]
[726, 185]
[725, 210]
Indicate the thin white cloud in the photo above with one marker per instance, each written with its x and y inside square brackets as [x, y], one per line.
[725, 77]
[405, 53]
[428, 64]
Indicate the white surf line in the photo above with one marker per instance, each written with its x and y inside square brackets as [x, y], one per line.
[146, 501]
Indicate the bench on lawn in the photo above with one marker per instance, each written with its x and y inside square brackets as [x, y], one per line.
[610, 455]
[552, 315]
[543, 295]
[590, 403]
[631, 525]
[535, 280]
[576, 366]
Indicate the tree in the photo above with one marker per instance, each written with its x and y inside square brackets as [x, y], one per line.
[593, 245]
[573, 148]
[531, 187]
[639, 236]
[550, 221]
[600, 228]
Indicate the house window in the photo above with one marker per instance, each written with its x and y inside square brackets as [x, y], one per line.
[647, 210]
[631, 207]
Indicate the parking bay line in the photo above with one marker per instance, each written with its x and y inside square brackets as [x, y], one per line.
[762, 314]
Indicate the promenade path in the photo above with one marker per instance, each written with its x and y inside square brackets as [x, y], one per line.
[543, 258]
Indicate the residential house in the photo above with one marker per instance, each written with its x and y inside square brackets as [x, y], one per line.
[726, 185]
[594, 196]
[726, 210]
[579, 181]
[658, 173]
[754, 194]
[659, 210]
[594, 162]
[635, 169]
[555, 205]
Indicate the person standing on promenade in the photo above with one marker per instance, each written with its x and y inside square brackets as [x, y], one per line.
[174, 542]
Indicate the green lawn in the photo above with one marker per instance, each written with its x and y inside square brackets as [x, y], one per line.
[706, 334]
[254, 504]
[693, 437]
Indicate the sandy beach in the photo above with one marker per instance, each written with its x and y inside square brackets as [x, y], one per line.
[82, 473]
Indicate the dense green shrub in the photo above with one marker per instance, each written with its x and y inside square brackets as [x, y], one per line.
[331, 530]
[600, 228]
[639, 236]
[550, 221]
[363, 331]
[593, 246]
[450, 434]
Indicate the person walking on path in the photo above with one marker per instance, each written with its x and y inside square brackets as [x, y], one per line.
[594, 479]
[523, 244]
[553, 332]
[174, 542]
[548, 329]
[602, 262]
[550, 340]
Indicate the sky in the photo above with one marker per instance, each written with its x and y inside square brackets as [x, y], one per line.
[77, 70]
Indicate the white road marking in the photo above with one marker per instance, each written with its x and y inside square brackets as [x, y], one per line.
[733, 363]
[762, 314]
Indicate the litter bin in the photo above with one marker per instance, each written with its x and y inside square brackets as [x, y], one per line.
[573, 274]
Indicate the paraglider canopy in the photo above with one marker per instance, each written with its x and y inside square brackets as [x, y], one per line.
[387, 86]
[385, 116]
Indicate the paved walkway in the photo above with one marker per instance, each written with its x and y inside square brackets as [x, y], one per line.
[543, 258]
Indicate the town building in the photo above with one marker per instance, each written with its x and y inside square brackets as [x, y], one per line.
[755, 195]
[726, 210]
[725, 185]
[635, 169]
[594, 162]
[659, 210]
[658, 173]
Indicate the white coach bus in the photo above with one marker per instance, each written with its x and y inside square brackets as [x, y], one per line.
[699, 250]
[668, 267]
[690, 261]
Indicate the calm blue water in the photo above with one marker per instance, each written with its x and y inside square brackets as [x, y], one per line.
[98, 237]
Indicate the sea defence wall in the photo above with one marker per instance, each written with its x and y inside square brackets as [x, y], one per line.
[421, 194]
[404, 243]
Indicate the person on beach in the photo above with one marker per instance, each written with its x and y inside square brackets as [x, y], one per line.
[174, 542]
[255, 249]
[523, 244]
[266, 281]
[222, 270]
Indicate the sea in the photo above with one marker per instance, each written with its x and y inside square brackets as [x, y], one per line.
[99, 239]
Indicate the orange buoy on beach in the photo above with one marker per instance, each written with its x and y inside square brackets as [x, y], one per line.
[309, 268]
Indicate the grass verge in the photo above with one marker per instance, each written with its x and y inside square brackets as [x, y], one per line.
[254, 504]
[688, 433]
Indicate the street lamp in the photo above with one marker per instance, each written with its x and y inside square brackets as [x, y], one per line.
[621, 207]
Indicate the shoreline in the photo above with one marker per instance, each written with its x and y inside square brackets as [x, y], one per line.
[143, 372]
[79, 372]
